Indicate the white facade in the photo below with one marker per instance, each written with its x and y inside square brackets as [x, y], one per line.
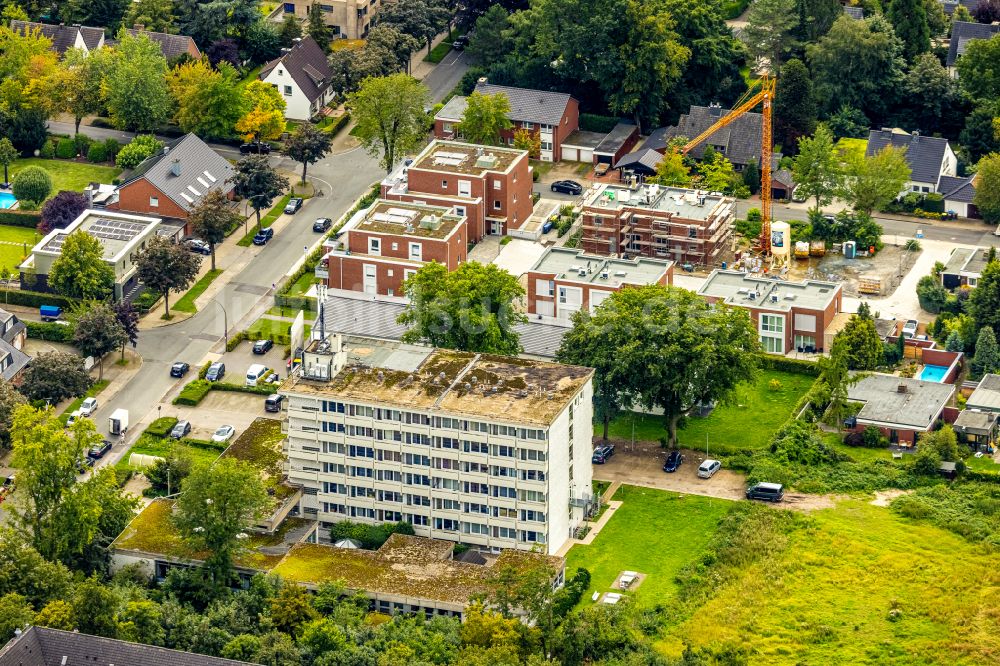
[297, 105]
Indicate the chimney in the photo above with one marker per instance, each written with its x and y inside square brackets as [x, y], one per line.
[175, 167]
[901, 388]
[915, 136]
[482, 81]
[166, 149]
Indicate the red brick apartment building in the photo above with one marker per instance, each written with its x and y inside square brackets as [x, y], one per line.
[790, 316]
[490, 186]
[552, 116]
[386, 243]
[565, 280]
[685, 226]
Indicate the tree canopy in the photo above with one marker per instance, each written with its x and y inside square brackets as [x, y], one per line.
[390, 117]
[165, 266]
[135, 86]
[80, 270]
[484, 118]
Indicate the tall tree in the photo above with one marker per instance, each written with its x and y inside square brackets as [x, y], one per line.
[768, 33]
[54, 376]
[390, 116]
[931, 95]
[10, 399]
[860, 343]
[987, 357]
[470, 309]
[216, 508]
[308, 145]
[8, 153]
[80, 270]
[672, 170]
[262, 42]
[74, 85]
[153, 15]
[256, 181]
[909, 21]
[794, 105]
[484, 118]
[987, 197]
[872, 182]
[421, 19]
[490, 42]
[836, 380]
[97, 332]
[212, 218]
[387, 50]
[60, 210]
[317, 28]
[128, 319]
[816, 169]
[815, 18]
[266, 118]
[135, 87]
[290, 30]
[984, 301]
[208, 102]
[165, 266]
[716, 172]
[977, 71]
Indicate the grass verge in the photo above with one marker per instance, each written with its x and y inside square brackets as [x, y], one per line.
[92, 392]
[438, 53]
[186, 302]
[265, 221]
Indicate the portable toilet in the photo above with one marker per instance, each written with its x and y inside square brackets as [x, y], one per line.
[850, 249]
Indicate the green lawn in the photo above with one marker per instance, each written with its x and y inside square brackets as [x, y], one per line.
[302, 285]
[984, 464]
[747, 422]
[186, 302]
[266, 327]
[67, 175]
[438, 53]
[265, 221]
[15, 244]
[655, 533]
[162, 446]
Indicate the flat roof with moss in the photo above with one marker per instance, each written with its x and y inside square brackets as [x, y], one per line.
[391, 373]
[410, 220]
[466, 158]
[260, 446]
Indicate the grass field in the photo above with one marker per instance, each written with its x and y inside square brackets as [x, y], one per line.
[265, 327]
[67, 175]
[13, 241]
[186, 302]
[857, 584]
[162, 446]
[747, 422]
[655, 533]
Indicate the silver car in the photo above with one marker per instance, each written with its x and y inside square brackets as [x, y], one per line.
[707, 469]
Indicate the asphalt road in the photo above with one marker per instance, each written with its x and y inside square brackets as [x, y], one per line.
[443, 78]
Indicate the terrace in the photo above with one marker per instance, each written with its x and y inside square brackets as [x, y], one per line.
[465, 158]
[409, 220]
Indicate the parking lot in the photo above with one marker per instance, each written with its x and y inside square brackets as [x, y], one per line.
[219, 408]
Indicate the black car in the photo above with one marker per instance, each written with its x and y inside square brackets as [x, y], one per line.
[293, 206]
[673, 461]
[273, 402]
[460, 43]
[257, 148]
[198, 246]
[98, 452]
[179, 369]
[567, 187]
[83, 464]
[262, 236]
[262, 346]
[602, 453]
[322, 224]
[216, 372]
[180, 430]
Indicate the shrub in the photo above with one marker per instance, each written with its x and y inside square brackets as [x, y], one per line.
[50, 331]
[66, 149]
[47, 151]
[111, 149]
[333, 128]
[145, 301]
[34, 299]
[162, 426]
[592, 122]
[872, 438]
[236, 339]
[931, 294]
[32, 184]
[97, 152]
[369, 536]
[20, 218]
[136, 151]
[82, 143]
[262, 388]
[784, 364]
[193, 393]
[204, 368]
[774, 385]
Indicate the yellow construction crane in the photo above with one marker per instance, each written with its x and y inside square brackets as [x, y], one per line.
[750, 99]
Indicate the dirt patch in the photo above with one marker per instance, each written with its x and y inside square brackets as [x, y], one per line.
[806, 503]
[885, 497]
[641, 464]
[890, 266]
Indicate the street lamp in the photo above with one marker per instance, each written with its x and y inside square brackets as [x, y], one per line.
[225, 323]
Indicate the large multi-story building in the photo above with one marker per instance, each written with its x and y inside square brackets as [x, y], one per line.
[383, 245]
[685, 226]
[490, 186]
[487, 450]
[564, 281]
[348, 19]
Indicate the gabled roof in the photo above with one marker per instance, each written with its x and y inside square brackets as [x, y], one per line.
[657, 140]
[782, 177]
[527, 105]
[18, 360]
[307, 65]
[949, 6]
[924, 154]
[642, 160]
[958, 188]
[962, 32]
[63, 36]
[739, 141]
[170, 45]
[200, 169]
[39, 646]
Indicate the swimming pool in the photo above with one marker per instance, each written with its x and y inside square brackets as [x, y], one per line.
[7, 200]
[933, 373]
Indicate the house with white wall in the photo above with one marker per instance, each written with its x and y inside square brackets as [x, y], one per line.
[930, 158]
[302, 75]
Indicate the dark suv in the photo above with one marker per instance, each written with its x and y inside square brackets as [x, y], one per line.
[673, 461]
[255, 148]
[262, 236]
[602, 453]
[769, 492]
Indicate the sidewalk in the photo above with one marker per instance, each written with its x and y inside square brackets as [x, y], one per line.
[419, 68]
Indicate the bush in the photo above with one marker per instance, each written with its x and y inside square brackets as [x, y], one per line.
[204, 368]
[20, 218]
[97, 152]
[369, 536]
[337, 124]
[162, 426]
[784, 364]
[732, 9]
[872, 438]
[47, 151]
[111, 149]
[931, 294]
[50, 331]
[236, 339]
[145, 301]
[82, 142]
[193, 393]
[136, 151]
[591, 122]
[262, 388]
[32, 183]
[35, 299]
[66, 149]
[569, 596]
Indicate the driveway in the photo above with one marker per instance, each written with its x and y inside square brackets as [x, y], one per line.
[219, 408]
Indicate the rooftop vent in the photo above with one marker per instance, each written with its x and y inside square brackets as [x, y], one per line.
[486, 161]
[431, 222]
[901, 388]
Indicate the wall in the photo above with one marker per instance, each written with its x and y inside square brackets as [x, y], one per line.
[134, 198]
[297, 104]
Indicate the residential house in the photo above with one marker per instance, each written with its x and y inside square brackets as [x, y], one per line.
[964, 267]
[963, 32]
[13, 359]
[949, 6]
[617, 143]
[564, 280]
[303, 76]
[986, 397]
[901, 407]
[348, 19]
[172, 182]
[929, 157]
[172, 46]
[489, 451]
[977, 430]
[959, 193]
[553, 116]
[491, 186]
[41, 646]
[64, 37]
[739, 141]
[390, 241]
[789, 316]
[685, 226]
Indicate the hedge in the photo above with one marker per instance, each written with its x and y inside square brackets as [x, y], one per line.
[261, 389]
[162, 426]
[36, 298]
[204, 369]
[337, 124]
[66, 149]
[193, 393]
[234, 341]
[785, 364]
[591, 122]
[50, 331]
[19, 218]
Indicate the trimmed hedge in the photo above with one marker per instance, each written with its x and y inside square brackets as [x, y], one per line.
[591, 122]
[50, 331]
[66, 149]
[235, 340]
[204, 369]
[36, 298]
[261, 389]
[193, 393]
[785, 364]
[20, 218]
[162, 426]
[333, 128]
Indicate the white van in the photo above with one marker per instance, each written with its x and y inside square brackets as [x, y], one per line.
[255, 373]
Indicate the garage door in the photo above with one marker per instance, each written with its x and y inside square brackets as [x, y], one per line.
[596, 298]
[570, 154]
[586, 155]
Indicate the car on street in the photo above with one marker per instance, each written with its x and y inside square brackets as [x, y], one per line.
[73, 418]
[179, 369]
[322, 224]
[262, 236]
[88, 407]
[259, 148]
[708, 468]
[83, 464]
[273, 402]
[567, 187]
[460, 43]
[293, 206]
[98, 452]
[216, 372]
[910, 328]
[223, 433]
[602, 453]
[262, 346]
[198, 246]
[673, 461]
[769, 492]
[180, 430]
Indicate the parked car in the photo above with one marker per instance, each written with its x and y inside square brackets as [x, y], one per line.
[262, 346]
[769, 492]
[179, 369]
[322, 224]
[83, 464]
[262, 236]
[273, 402]
[707, 469]
[910, 328]
[88, 407]
[98, 452]
[272, 378]
[180, 430]
[223, 433]
[198, 246]
[673, 461]
[460, 43]
[216, 372]
[293, 206]
[602, 453]
[258, 148]
[567, 187]
[73, 418]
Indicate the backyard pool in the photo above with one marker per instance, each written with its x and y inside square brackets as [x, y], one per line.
[7, 200]
[933, 373]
